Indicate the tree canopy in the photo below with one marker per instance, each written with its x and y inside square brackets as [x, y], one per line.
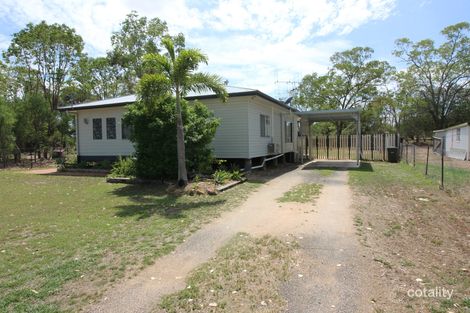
[137, 37]
[46, 54]
[351, 82]
[441, 74]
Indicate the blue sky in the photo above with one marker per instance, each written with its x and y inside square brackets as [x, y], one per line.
[253, 43]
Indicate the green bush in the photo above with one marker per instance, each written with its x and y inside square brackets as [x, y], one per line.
[154, 137]
[7, 136]
[237, 175]
[82, 164]
[221, 176]
[105, 164]
[124, 167]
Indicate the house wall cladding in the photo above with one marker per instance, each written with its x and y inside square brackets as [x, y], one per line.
[87, 146]
[230, 140]
[258, 146]
[454, 148]
[237, 137]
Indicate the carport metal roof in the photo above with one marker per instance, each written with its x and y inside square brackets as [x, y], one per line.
[331, 115]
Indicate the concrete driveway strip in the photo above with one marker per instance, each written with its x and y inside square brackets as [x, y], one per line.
[331, 264]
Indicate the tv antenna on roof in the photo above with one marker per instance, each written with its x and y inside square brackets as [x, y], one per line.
[291, 87]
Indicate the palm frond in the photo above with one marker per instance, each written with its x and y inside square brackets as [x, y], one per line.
[154, 86]
[156, 63]
[169, 46]
[200, 82]
[188, 60]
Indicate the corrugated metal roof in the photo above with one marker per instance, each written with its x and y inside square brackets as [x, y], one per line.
[119, 101]
[230, 90]
[102, 103]
[451, 127]
[331, 115]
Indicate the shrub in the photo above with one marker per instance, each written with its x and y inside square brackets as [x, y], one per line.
[105, 164]
[124, 167]
[221, 176]
[237, 175]
[154, 137]
[7, 137]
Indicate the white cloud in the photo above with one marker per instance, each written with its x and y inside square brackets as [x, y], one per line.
[4, 42]
[250, 42]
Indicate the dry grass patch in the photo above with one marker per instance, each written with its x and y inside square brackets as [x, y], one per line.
[245, 276]
[417, 235]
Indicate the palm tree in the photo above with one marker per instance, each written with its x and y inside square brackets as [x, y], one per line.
[176, 69]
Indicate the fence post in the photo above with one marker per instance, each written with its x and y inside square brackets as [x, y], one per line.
[349, 146]
[337, 144]
[414, 155]
[427, 162]
[327, 147]
[384, 146]
[406, 153]
[372, 147]
[442, 161]
[316, 144]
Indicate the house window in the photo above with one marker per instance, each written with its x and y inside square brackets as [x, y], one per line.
[97, 129]
[265, 125]
[458, 134]
[110, 128]
[288, 131]
[125, 130]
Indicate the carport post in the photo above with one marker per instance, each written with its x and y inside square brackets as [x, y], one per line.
[359, 139]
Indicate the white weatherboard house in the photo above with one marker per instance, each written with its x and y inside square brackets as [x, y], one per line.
[253, 126]
[457, 141]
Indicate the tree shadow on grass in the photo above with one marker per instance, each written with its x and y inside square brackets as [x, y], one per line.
[142, 193]
[153, 200]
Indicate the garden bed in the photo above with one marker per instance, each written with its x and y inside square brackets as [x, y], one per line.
[193, 188]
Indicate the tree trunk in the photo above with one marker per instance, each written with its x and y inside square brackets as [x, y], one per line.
[181, 153]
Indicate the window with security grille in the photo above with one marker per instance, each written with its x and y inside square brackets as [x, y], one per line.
[110, 128]
[97, 129]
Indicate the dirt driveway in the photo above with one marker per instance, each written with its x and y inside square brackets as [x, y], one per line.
[327, 279]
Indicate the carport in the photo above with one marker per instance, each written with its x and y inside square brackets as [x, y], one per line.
[310, 117]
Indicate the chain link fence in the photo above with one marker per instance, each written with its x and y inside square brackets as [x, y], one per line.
[427, 157]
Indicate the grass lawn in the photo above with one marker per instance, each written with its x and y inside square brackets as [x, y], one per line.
[302, 193]
[64, 239]
[245, 276]
[416, 233]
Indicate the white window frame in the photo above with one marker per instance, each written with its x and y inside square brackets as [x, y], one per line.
[289, 132]
[265, 125]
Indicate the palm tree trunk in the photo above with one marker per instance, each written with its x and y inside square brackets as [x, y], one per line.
[180, 148]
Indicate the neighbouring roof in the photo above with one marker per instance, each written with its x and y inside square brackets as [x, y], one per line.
[120, 101]
[451, 127]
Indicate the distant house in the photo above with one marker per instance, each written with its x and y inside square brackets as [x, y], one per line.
[253, 126]
[457, 141]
